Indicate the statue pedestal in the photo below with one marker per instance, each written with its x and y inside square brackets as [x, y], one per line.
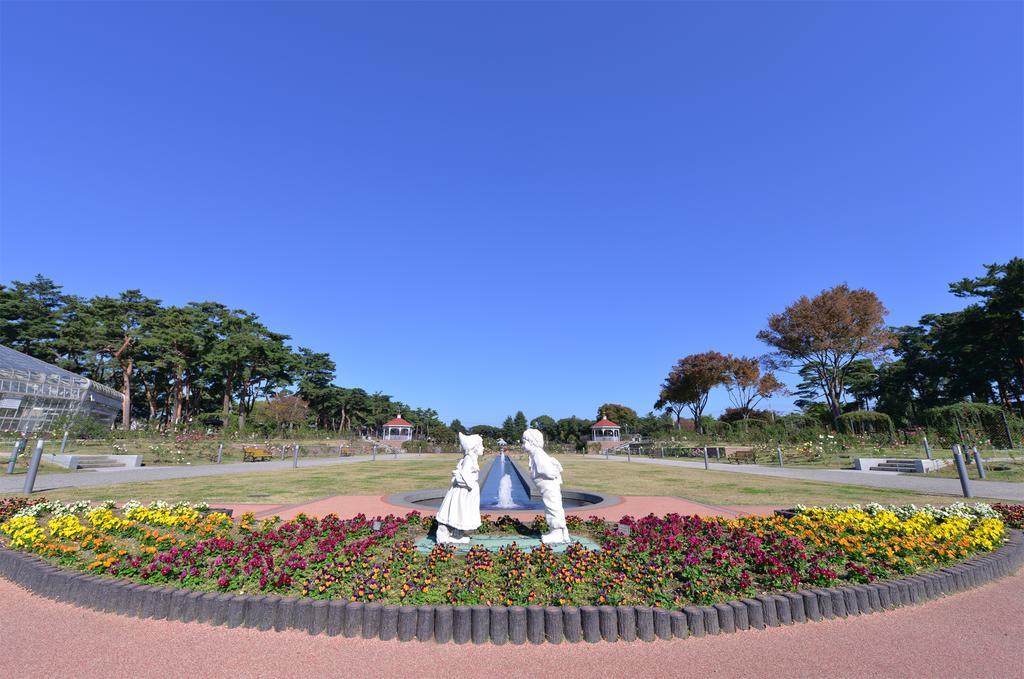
[494, 542]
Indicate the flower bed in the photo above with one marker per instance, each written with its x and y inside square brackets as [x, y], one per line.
[668, 562]
[9, 506]
[1012, 515]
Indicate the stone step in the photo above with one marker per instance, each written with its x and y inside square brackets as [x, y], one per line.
[98, 464]
[886, 467]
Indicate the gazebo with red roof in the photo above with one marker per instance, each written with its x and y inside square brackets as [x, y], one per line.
[397, 430]
[605, 430]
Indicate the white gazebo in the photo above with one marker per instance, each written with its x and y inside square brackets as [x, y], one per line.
[605, 430]
[397, 430]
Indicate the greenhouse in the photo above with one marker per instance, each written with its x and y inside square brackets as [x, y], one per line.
[34, 394]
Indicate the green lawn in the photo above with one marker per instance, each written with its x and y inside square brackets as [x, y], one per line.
[388, 476]
[21, 466]
[1003, 470]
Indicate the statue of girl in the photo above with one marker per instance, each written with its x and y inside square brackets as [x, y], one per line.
[460, 509]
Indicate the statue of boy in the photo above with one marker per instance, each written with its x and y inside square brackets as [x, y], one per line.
[547, 474]
[460, 509]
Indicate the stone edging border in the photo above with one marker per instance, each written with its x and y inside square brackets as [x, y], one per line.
[499, 624]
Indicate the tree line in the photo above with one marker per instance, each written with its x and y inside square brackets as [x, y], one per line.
[202, 361]
[177, 364]
[573, 430]
[848, 360]
[174, 364]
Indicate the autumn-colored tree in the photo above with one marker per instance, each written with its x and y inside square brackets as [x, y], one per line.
[287, 409]
[690, 382]
[747, 386]
[829, 332]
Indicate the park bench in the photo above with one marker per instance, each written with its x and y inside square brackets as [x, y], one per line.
[255, 454]
[743, 456]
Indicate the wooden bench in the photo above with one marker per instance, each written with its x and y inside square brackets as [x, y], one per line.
[743, 456]
[254, 454]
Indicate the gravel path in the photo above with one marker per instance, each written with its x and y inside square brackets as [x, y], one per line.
[1003, 490]
[974, 634]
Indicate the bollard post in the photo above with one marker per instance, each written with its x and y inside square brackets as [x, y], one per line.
[394, 453]
[19, 448]
[977, 461]
[627, 455]
[705, 457]
[220, 453]
[961, 470]
[64, 442]
[33, 467]
[295, 456]
[606, 453]
[927, 448]
[778, 449]
[1006, 426]
[373, 454]
[718, 453]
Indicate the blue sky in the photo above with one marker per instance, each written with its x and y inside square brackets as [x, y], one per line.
[486, 207]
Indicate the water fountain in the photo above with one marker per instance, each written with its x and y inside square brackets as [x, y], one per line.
[504, 499]
[504, 487]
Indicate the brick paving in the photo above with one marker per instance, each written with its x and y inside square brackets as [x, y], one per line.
[974, 634]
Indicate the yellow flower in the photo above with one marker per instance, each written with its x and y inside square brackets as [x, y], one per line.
[24, 532]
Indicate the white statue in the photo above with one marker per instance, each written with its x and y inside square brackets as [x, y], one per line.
[547, 474]
[460, 509]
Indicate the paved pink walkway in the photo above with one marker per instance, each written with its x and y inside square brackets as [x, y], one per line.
[372, 505]
[974, 634]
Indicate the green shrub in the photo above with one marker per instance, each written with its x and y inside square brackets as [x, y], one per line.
[975, 423]
[80, 427]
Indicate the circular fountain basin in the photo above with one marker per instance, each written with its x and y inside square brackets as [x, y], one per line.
[571, 499]
[505, 488]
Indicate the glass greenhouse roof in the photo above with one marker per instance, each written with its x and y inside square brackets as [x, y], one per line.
[34, 394]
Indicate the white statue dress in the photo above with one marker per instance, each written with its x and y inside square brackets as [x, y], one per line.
[547, 474]
[460, 509]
